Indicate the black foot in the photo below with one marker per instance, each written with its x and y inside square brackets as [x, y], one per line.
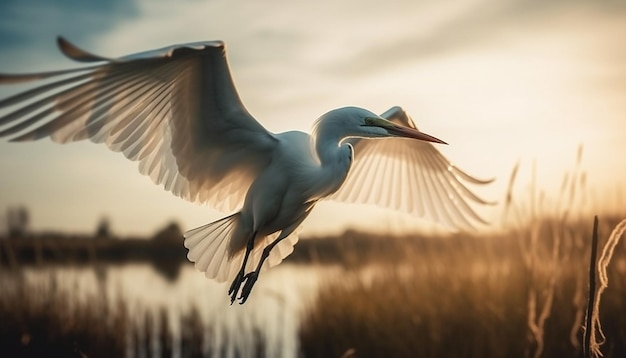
[247, 287]
[234, 287]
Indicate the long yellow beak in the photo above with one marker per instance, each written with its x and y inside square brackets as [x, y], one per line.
[402, 131]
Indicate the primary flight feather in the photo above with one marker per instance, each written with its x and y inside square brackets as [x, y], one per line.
[176, 111]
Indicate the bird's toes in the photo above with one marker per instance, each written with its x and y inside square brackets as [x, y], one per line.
[234, 287]
[233, 296]
[250, 279]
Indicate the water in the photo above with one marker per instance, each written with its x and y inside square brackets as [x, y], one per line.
[272, 313]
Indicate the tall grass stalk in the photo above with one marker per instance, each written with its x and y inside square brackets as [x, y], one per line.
[595, 328]
[544, 263]
[592, 289]
[509, 194]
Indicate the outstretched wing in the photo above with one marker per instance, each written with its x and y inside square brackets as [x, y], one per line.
[175, 110]
[410, 176]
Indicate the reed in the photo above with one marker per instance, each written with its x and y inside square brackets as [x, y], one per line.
[463, 298]
[43, 320]
[515, 293]
[593, 328]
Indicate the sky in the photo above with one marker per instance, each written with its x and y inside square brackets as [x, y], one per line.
[502, 82]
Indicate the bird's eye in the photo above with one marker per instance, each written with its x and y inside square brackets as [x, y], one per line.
[369, 121]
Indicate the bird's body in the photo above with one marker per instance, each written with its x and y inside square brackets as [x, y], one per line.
[177, 113]
[285, 192]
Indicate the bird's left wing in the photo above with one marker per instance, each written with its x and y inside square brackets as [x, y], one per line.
[410, 176]
[174, 110]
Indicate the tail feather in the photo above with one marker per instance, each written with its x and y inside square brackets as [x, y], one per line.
[214, 253]
[208, 249]
[194, 238]
[208, 246]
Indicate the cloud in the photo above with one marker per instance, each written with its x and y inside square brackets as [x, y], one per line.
[28, 28]
[468, 25]
[23, 23]
[474, 71]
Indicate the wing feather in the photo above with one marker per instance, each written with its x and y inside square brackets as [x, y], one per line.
[407, 204]
[431, 203]
[71, 105]
[410, 176]
[455, 189]
[174, 110]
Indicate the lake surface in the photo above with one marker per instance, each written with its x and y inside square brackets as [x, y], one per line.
[271, 314]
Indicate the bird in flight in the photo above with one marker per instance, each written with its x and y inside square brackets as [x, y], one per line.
[177, 113]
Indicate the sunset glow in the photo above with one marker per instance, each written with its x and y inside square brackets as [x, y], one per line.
[507, 82]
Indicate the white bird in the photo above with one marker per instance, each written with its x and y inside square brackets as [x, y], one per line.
[176, 111]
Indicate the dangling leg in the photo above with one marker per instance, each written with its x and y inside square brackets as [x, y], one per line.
[251, 277]
[234, 287]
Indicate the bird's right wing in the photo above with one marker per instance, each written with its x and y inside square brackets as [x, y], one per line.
[410, 176]
[174, 110]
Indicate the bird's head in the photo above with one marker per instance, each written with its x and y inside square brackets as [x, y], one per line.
[361, 123]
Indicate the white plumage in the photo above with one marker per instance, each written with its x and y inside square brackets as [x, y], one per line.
[177, 113]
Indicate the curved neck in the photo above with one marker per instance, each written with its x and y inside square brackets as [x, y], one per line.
[327, 136]
[335, 159]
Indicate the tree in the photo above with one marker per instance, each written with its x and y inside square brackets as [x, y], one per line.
[18, 220]
[103, 230]
[170, 232]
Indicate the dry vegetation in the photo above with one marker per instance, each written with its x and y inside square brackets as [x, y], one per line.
[468, 297]
[460, 296]
[521, 292]
[43, 320]
[518, 293]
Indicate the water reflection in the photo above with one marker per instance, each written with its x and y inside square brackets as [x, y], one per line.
[270, 316]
